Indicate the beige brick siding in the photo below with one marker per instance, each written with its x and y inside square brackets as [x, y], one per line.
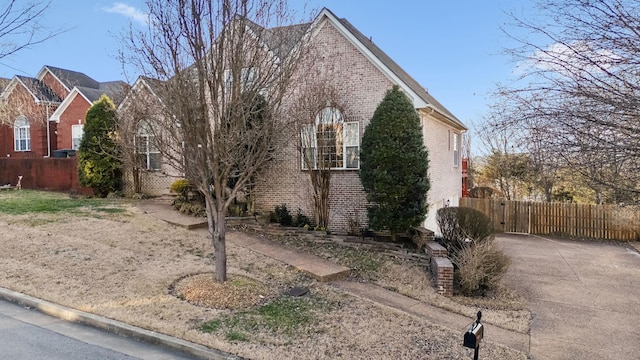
[446, 179]
[153, 183]
[362, 87]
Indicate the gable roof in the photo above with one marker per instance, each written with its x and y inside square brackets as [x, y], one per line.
[3, 84]
[38, 89]
[281, 40]
[115, 90]
[151, 84]
[68, 78]
[388, 66]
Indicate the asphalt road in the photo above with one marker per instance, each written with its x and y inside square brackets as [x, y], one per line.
[29, 334]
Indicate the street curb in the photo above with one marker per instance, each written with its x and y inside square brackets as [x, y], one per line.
[115, 327]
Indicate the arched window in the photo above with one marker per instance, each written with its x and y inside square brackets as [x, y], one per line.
[331, 143]
[147, 150]
[21, 134]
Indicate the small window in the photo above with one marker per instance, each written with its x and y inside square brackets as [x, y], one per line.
[331, 142]
[248, 77]
[148, 154]
[22, 134]
[76, 136]
[228, 80]
[456, 150]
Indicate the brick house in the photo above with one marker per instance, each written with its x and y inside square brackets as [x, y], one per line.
[362, 73]
[43, 114]
[149, 173]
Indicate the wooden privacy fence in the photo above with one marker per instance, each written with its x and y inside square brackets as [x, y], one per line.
[608, 222]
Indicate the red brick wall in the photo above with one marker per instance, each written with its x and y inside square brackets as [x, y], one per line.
[76, 111]
[20, 102]
[45, 174]
[55, 85]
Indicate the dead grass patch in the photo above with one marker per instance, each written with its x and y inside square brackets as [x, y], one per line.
[120, 265]
[238, 292]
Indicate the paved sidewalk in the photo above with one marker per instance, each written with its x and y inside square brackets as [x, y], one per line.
[324, 270]
[316, 267]
[162, 210]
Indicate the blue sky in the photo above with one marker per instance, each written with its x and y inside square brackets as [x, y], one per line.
[452, 48]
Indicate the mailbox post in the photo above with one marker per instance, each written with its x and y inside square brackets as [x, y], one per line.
[474, 335]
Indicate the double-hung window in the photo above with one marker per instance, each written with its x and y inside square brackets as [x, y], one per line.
[248, 77]
[330, 143]
[76, 136]
[22, 134]
[149, 156]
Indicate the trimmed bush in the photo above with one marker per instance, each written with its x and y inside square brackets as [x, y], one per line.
[461, 227]
[301, 220]
[281, 215]
[180, 187]
[189, 200]
[479, 268]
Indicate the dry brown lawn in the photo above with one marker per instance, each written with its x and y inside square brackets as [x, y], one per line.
[128, 266]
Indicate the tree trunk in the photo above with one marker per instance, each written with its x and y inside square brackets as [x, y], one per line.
[137, 187]
[218, 231]
[218, 237]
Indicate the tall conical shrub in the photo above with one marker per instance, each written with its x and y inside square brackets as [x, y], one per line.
[394, 165]
[99, 163]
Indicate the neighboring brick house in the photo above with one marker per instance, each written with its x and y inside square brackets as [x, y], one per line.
[24, 129]
[43, 114]
[362, 73]
[70, 115]
[148, 172]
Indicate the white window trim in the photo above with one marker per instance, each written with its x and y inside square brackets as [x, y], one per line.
[22, 133]
[309, 136]
[74, 130]
[456, 150]
[144, 138]
[248, 77]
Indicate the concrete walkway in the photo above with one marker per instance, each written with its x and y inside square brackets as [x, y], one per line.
[584, 296]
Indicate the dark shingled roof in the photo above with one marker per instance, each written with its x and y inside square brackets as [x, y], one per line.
[115, 90]
[281, 40]
[157, 86]
[72, 79]
[3, 84]
[398, 71]
[39, 89]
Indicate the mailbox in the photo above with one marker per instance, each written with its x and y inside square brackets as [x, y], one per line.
[474, 335]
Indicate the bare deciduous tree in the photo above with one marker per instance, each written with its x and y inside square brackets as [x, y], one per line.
[579, 90]
[227, 67]
[319, 111]
[21, 26]
[504, 164]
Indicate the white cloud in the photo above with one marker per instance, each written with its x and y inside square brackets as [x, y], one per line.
[128, 11]
[577, 57]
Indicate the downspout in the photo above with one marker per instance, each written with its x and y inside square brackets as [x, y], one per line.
[48, 133]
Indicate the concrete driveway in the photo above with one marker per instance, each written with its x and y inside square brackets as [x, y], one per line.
[584, 296]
